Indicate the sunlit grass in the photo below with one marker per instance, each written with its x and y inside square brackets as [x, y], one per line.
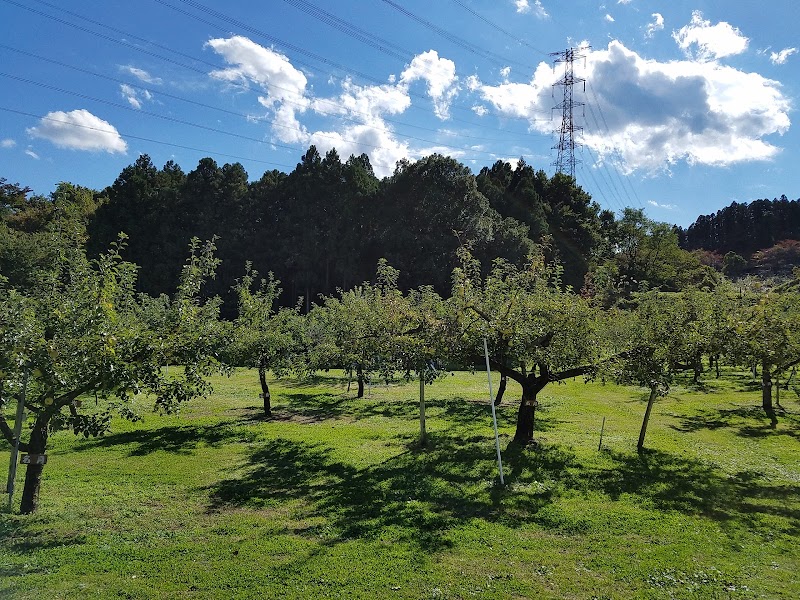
[333, 497]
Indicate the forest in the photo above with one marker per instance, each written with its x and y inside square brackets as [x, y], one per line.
[329, 267]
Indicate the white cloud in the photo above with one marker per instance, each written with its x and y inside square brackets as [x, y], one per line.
[480, 110]
[7, 143]
[664, 206]
[524, 6]
[134, 96]
[440, 73]
[658, 113]
[32, 154]
[656, 25]
[624, 1]
[609, 18]
[712, 41]
[357, 112]
[79, 130]
[284, 85]
[141, 74]
[505, 72]
[779, 58]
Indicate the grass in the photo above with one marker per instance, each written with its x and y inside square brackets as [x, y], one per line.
[333, 498]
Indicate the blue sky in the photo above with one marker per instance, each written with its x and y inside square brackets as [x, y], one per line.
[688, 104]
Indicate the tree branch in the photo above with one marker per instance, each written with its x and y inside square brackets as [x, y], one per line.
[504, 370]
[584, 370]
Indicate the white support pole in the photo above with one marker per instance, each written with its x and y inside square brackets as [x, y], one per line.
[12, 467]
[494, 413]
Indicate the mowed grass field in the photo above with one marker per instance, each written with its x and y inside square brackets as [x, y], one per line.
[333, 498]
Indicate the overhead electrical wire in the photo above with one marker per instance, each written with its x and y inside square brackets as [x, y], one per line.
[214, 66]
[608, 197]
[461, 42]
[197, 60]
[608, 131]
[143, 139]
[604, 170]
[213, 129]
[259, 33]
[497, 27]
[379, 43]
[356, 32]
[160, 92]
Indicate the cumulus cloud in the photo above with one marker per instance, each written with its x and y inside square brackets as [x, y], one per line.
[141, 75]
[79, 130]
[524, 6]
[624, 1]
[7, 143]
[357, 113]
[712, 41]
[285, 86]
[480, 110]
[656, 25]
[779, 58]
[505, 72]
[653, 114]
[609, 18]
[134, 96]
[439, 73]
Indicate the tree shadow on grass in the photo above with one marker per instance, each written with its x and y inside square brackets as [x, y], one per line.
[315, 407]
[22, 535]
[419, 496]
[745, 421]
[175, 439]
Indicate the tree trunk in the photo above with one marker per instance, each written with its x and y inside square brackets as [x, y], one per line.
[423, 433]
[526, 416]
[716, 365]
[501, 390]
[33, 474]
[766, 394]
[262, 377]
[360, 375]
[646, 420]
[698, 367]
[766, 388]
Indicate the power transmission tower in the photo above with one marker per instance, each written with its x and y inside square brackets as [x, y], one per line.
[566, 161]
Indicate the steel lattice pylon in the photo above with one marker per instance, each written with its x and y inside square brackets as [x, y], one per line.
[565, 161]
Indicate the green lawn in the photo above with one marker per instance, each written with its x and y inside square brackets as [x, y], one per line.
[332, 498]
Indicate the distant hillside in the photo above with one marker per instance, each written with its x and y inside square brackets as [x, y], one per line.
[744, 228]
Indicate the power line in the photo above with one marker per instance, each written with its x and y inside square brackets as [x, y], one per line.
[607, 197]
[379, 43]
[239, 114]
[221, 131]
[260, 33]
[497, 27]
[604, 165]
[458, 41]
[608, 131]
[143, 139]
[200, 71]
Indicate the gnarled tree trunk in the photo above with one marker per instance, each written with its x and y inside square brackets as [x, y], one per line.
[646, 420]
[766, 387]
[360, 375]
[526, 416]
[262, 378]
[33, 474]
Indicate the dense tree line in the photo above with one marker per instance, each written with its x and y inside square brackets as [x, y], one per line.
[745, 228]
